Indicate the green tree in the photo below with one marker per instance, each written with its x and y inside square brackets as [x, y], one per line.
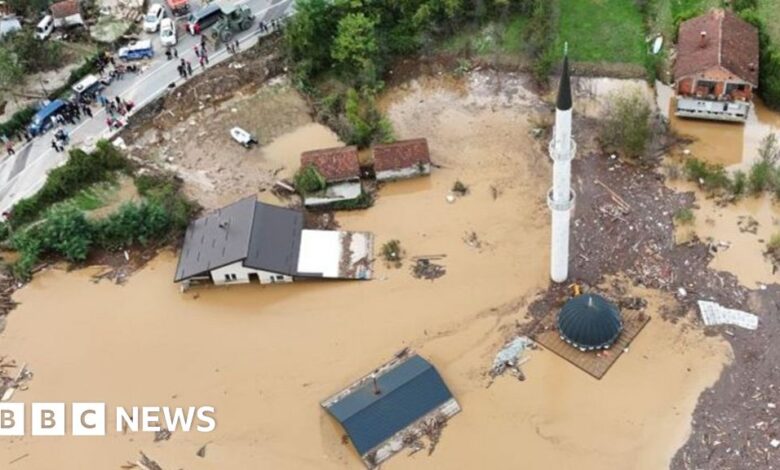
[35, 55]
[309, 35]
[355, 46]
[11, 72]
[67, 231]
[625, 123]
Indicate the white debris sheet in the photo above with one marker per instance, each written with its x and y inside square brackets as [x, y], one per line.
[509, 355]
[715, 314]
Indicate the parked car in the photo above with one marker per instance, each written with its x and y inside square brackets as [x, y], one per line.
[137, 50]
[179, 7]
[43, 119]
[44, 28]
[153, 18]
[168, 32]
[203, 18]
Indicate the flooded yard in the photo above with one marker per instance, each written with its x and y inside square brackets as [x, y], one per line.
[733, 145]
[264, 356]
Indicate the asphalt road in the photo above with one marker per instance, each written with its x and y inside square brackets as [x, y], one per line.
[21, 175]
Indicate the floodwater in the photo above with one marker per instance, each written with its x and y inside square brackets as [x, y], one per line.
[285, 151]
[739, 251]
[264, 356]
[732, 145]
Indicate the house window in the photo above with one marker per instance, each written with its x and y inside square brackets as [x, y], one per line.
[279, 277]
[230, 277]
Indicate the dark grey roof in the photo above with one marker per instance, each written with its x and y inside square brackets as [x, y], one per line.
[217, 239]
[276, 239]
[590, 321]
[564, 87]
[409, 391]
[263, 236]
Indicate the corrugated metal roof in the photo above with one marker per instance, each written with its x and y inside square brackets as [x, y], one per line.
[409, 391]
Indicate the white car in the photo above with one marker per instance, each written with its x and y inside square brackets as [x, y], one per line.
[44, 28]
[153, 18]
[168, 32]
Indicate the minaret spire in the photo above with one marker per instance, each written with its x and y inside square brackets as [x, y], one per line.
[560, 198]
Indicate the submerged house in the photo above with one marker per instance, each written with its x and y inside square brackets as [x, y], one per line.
[340, 169]
[402, 159]
[391, 408]
[250, 240]
[716, 68]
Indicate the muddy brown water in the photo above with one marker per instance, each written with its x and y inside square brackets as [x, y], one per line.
[265, 356]
[733, 145]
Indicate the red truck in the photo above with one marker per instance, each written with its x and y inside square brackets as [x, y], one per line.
[179, 7]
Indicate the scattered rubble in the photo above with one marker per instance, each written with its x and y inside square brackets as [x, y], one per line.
[9, 385]
[162, 435]
[747, 224]
[460, 189]
[147, 464]
[424, 268]
[393, 253]
[472, 239]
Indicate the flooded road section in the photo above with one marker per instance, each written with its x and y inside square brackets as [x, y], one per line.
[264, 356]
[733, 145]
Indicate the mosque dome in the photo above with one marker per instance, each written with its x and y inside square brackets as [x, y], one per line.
[589, 322]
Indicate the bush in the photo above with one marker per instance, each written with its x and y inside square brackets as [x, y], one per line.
[739, 183]
[308, 180]
[709, 176]
[364, 201]
[18, 122]
[625, 123]
[684, 216]
[392, 252]
[761, 177]
[80, 171]
[133, 223]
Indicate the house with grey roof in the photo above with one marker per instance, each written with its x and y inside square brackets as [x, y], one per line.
[392, 407]
[250, 240]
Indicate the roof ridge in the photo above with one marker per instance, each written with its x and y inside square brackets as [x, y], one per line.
[720, 38]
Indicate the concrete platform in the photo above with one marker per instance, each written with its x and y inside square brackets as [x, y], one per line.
[595, 363]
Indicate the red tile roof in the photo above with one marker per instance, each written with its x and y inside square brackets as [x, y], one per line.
[334, 164]
[64, 9]
[730, 42]
[401, 154]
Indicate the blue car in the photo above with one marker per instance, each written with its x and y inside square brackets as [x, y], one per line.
[43, 119]
[137, 50]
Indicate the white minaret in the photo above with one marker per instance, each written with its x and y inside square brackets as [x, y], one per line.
[560, 198]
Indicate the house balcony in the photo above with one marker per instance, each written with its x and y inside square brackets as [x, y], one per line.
[726, 109]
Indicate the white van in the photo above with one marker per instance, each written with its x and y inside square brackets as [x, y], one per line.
[153, 18]
[168, 32]
[44, 28]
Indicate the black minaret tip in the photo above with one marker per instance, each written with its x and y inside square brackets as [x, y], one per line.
[564, 87]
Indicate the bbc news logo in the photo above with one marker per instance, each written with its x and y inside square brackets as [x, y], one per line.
[89, 419]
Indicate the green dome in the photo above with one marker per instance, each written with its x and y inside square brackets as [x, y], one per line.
[589, 322]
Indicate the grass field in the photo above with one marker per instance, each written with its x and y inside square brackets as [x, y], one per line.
[602, 31]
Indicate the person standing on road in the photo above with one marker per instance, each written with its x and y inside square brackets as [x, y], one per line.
[55, 146]
[9, 147]
[202, 63]
[175, 53]
[205, 57]
[189, 68]
[181, 71]
[237, 46]
[88, 111]
[203, 42]
[197, 51]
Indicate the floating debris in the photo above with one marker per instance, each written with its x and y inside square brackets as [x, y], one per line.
[459, 188]
[162, 435]
[715, 314]
[472, 239]
[509, 358]
[147, 464]
[424, 268]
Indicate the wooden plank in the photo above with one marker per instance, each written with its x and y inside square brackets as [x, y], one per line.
[595, 363]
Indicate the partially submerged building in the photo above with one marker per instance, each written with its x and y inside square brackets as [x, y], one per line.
[340, 169]
[716, 68]
[589, 322]
[392, 407]
[401, 159]
[250, 240]
[66, 13]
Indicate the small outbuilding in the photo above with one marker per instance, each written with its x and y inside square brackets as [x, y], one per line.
[589, 322]
[66, 13]
[340, 169]
[402, 159]
[716, 69]
[390, 408]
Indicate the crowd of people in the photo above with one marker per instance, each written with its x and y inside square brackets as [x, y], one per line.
[117, 108]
